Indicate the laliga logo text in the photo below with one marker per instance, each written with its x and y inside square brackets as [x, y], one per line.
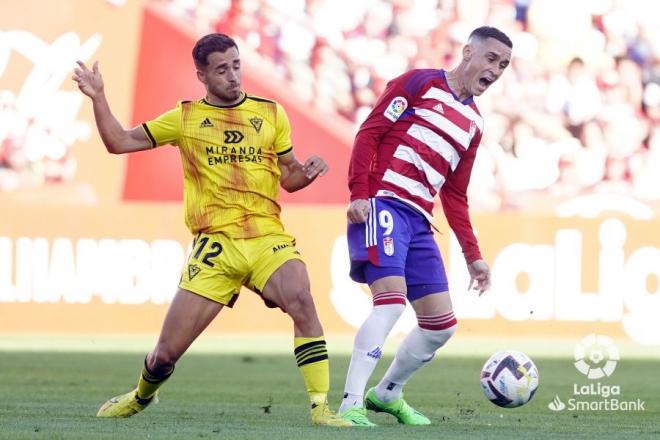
[596, 357]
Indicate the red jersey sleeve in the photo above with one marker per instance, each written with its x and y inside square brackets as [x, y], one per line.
[455, 204]
[391, 105]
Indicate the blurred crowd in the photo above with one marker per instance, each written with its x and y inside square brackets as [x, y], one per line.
[39, 122]
[578, 111]
[31, 153]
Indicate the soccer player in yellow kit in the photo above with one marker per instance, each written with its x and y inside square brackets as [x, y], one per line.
[235, 149]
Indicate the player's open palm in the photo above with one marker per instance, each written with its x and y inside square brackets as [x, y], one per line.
[90, 82]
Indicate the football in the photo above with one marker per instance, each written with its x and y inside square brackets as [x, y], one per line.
[509, 379]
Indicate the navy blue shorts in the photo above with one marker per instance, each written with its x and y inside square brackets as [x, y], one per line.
[396, 240]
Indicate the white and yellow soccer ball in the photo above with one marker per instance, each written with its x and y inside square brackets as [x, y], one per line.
[509, 379]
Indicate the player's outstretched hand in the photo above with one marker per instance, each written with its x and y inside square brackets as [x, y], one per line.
[479, 276]
[358, 211]
[314, 167]
[90, 82]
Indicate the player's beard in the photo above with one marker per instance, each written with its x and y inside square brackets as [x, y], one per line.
[226, 94]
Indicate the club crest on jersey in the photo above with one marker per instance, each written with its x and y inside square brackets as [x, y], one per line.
[473, 128]
[396, 108]
[256, 123]
[388, 246]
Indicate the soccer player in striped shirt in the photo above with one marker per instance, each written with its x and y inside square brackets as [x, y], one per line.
[420, 140]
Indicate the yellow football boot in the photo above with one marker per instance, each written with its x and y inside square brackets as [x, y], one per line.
[322, 415]
[125, 405]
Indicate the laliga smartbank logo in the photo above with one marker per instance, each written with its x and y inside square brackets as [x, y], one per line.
[596, 357]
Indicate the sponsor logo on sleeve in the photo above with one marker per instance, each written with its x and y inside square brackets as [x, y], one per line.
[396, 108]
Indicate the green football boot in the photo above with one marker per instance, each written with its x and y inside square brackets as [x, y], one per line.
[357, 416]
[322, 415]
[404, 413]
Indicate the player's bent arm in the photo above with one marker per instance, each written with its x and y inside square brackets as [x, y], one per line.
[292, 177]
[116, 139]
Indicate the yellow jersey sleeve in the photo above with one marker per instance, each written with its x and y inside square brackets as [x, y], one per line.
[282, 132]
[165, 129]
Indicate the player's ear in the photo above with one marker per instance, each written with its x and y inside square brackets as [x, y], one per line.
[468, 51]
[201, 76]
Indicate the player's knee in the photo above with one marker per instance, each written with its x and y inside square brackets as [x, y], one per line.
[437, 329]
[391, 309]
[438, 338]
[390, 312]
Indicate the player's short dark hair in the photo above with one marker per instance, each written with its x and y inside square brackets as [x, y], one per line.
[207, 45]
[485, 32]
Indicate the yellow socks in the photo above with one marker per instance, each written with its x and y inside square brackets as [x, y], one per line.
[312, 359]
[149, 383]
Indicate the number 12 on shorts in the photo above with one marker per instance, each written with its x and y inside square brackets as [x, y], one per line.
[214, 250]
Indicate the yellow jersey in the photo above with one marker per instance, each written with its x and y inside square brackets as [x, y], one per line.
[229, 157]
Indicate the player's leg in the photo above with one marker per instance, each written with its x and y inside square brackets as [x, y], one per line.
[436, 324]
[188, 315]
[378, 250]
[204, 289]
[388, 296]
[427, 292]
[289, 288]
[281, 278]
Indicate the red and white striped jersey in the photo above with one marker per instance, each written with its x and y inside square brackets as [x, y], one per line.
[418, 141]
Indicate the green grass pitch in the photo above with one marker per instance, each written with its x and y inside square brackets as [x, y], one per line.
[54, 395]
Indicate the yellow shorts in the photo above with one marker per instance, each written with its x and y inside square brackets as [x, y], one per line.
[218, 266]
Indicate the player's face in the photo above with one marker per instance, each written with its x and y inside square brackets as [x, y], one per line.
[222, 76]
[486, 61]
